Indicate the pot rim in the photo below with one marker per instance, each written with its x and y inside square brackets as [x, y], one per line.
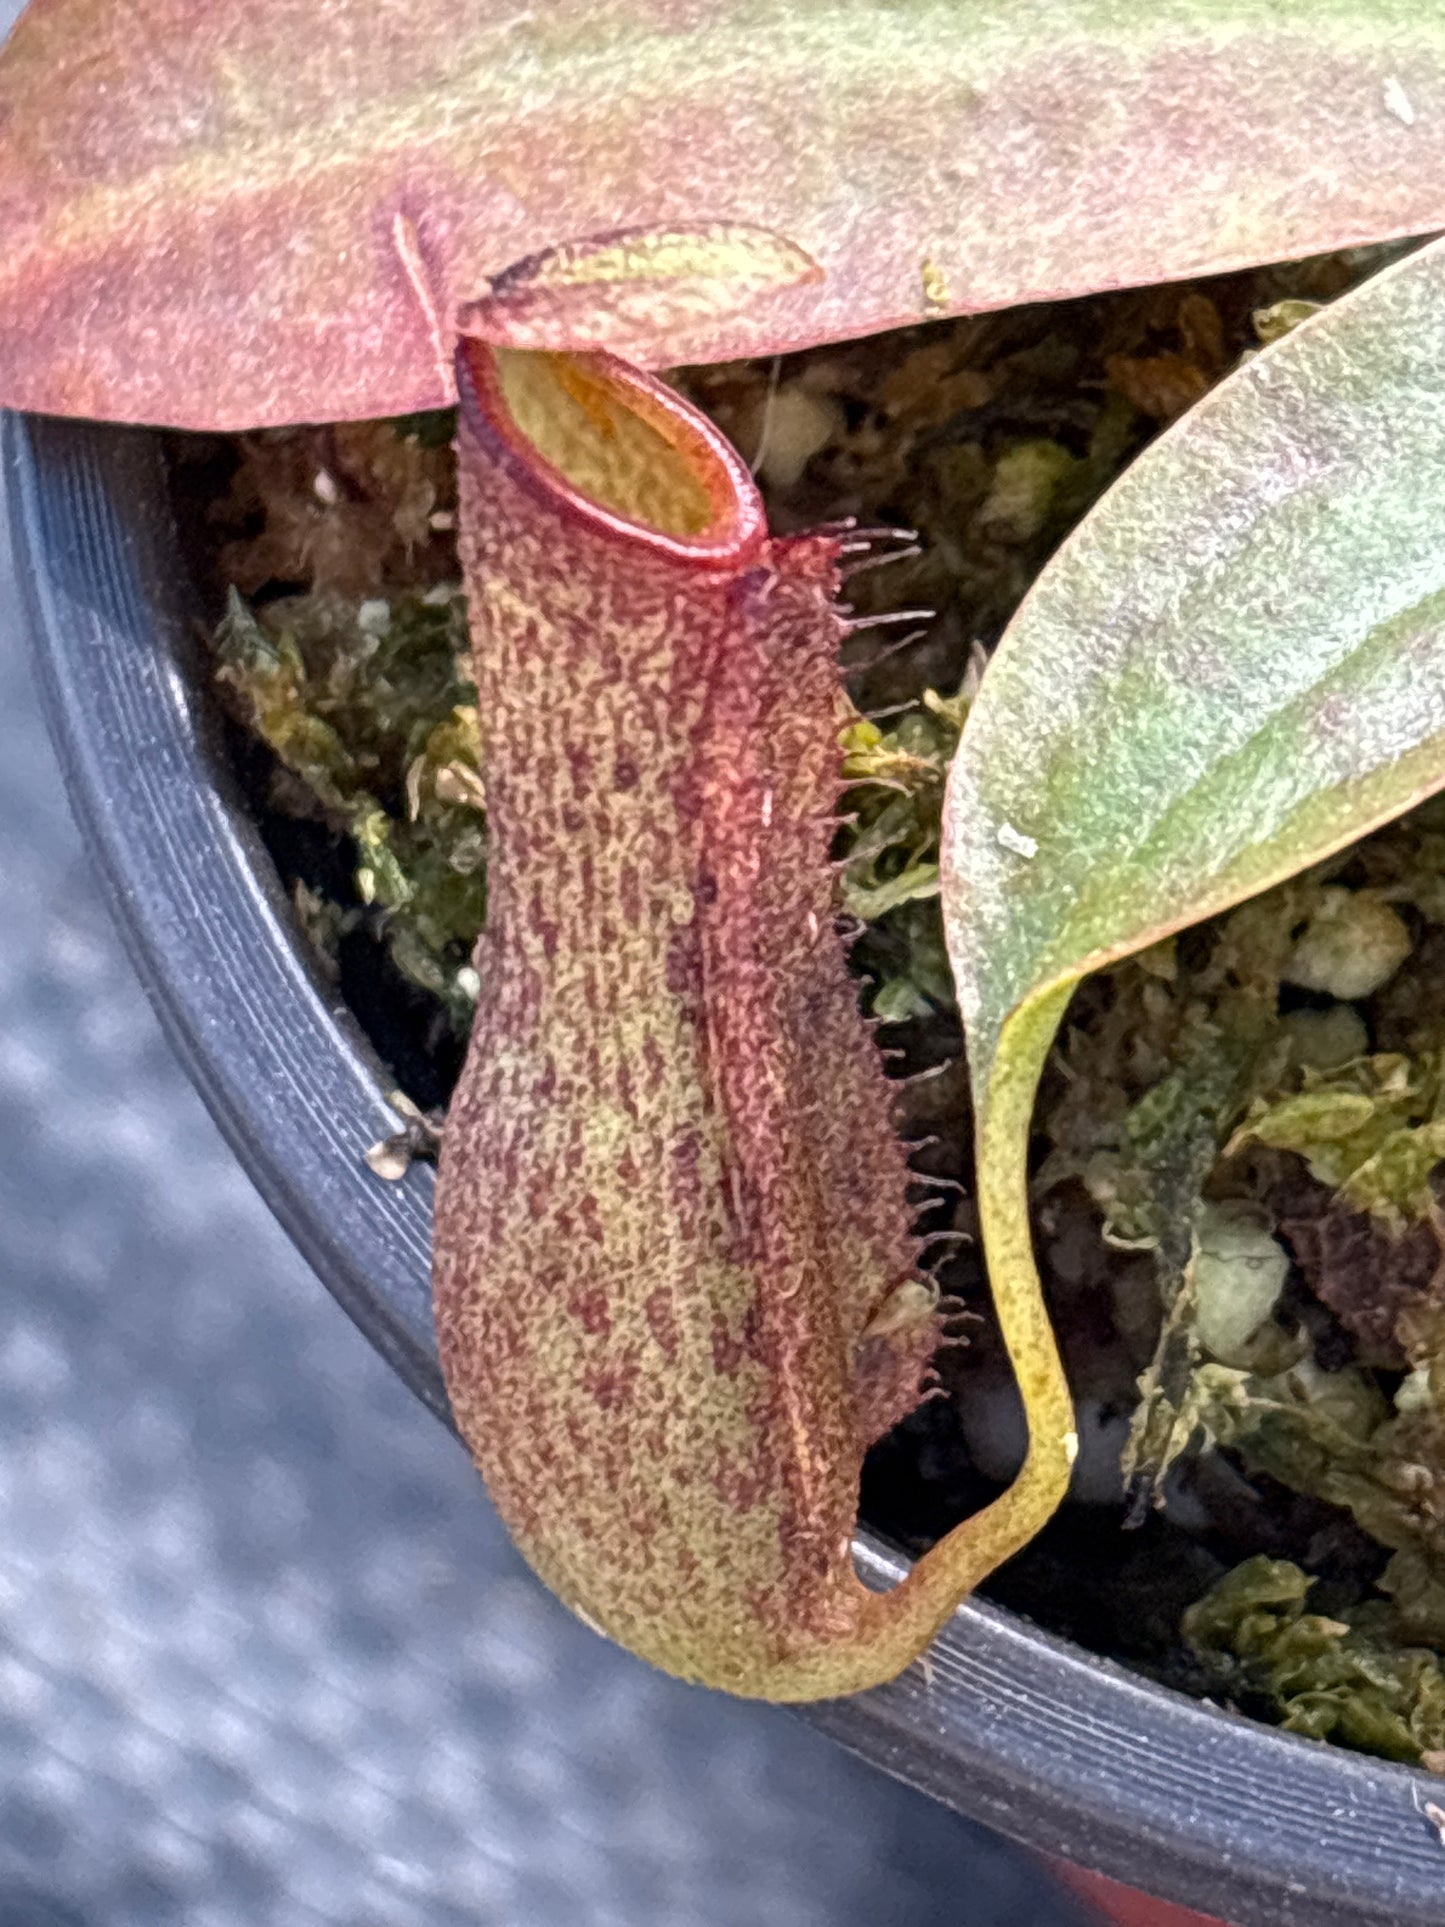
[1062, 1750]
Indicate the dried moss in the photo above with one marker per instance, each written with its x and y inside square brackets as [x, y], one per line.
[368, 712]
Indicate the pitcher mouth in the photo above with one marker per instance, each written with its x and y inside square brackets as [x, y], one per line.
[616, 447]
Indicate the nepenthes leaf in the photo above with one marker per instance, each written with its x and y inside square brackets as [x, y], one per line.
[234, 213]
[1235, 667]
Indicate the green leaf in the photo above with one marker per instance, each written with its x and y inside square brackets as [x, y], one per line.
[1234, 668]
[220, 213]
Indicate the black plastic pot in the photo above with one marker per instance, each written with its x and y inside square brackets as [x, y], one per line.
[1061, 1750]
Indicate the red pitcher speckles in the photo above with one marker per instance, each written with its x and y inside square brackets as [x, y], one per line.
[677, 1291]
[672, 1200]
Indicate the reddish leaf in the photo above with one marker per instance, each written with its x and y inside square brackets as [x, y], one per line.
[228, 212]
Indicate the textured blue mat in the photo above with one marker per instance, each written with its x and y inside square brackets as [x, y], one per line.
[265, 1653]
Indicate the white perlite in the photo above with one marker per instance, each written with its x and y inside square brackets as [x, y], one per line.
[1398, 102]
